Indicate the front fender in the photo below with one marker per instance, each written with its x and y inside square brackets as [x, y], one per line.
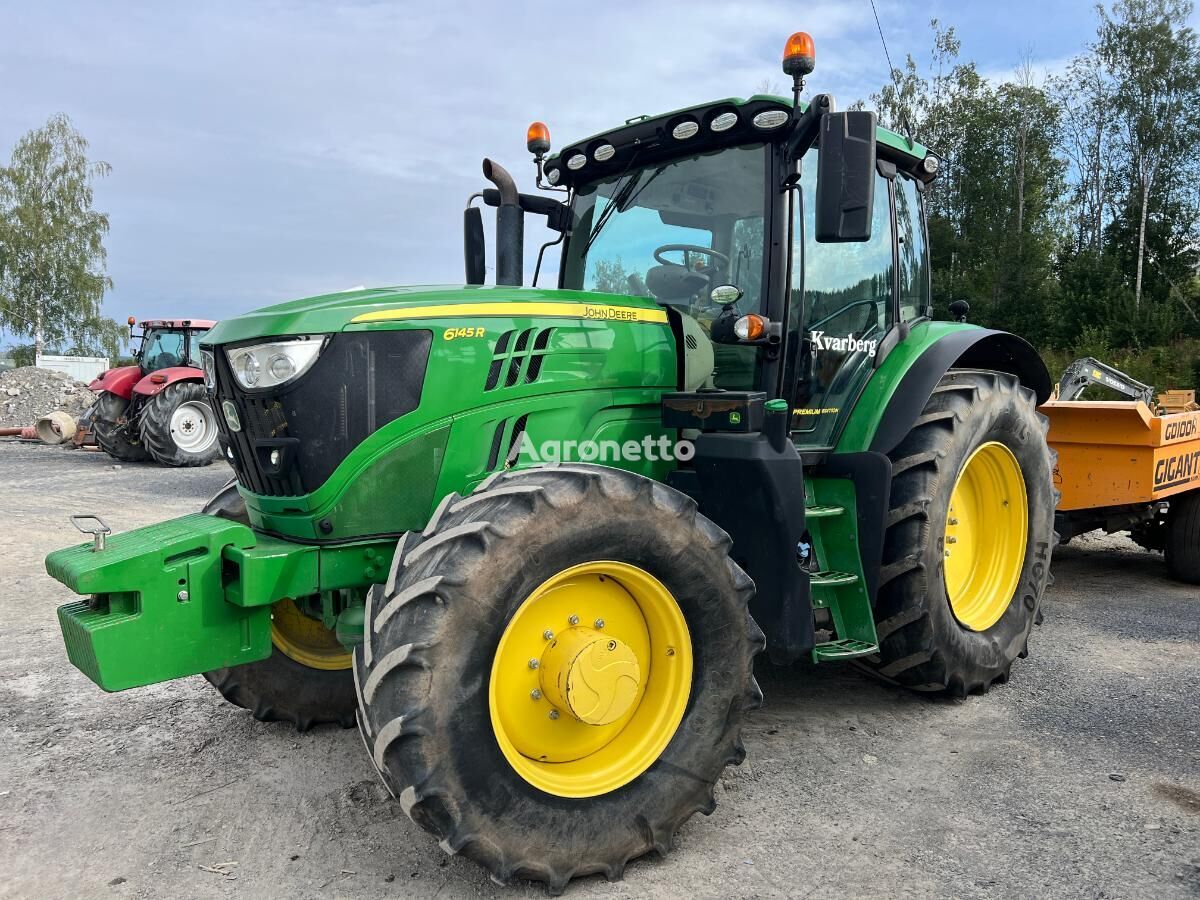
[898, 390]
[117, 381]
[156, 381]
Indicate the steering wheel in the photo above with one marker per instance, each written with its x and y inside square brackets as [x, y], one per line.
[841, 310]
[688, 250]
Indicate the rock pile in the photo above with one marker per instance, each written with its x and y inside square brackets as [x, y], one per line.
[27, 393]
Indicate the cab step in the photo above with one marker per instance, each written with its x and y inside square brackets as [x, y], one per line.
[843, 649]
[823, 512]
[832, 579]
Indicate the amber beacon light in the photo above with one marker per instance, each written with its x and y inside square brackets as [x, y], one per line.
[799, 55]
[537, 139]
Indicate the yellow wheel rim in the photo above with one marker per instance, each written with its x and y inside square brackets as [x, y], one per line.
[591, 679]
[986, 532]
[305, 639]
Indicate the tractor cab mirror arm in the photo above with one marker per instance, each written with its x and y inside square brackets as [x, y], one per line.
[557, 213]
[806, 125]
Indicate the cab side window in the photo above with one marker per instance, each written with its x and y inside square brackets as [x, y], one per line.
[847, 287]
[846, 290]
[914, 251]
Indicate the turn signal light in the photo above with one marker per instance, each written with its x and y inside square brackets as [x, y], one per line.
[132, 321]
[537, 139]
[158, 378]
[799, 55]
[750, 328]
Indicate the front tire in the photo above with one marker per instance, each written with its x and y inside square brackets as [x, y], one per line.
[178, 426]
[969, 536]
[114, 435]
[499, 748]
[280, 688]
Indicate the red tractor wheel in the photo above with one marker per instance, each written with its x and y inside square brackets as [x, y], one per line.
[115, 435]
[178, 426]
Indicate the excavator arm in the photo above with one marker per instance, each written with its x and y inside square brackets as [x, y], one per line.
[1087, 371]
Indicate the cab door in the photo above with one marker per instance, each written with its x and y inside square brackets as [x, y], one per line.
[846, 293]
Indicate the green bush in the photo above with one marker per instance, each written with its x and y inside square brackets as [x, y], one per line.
[1173, 366]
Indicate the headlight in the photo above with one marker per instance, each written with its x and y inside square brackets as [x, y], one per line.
[208, 362]
[268, 365]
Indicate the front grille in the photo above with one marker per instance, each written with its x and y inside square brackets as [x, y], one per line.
[359, 383]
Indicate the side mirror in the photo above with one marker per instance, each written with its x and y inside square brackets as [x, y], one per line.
[473, 246]
[845, 177]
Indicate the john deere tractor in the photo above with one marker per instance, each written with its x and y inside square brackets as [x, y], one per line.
[532, 538]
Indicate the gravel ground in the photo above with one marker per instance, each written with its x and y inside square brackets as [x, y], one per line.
[1080, 778]
[27, 394]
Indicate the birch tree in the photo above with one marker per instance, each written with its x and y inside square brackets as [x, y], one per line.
[53, 275]
[1155, 64]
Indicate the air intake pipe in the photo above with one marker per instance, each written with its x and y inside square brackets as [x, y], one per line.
[510, 225]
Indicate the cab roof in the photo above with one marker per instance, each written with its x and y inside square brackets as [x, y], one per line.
[736, 120]
[197, 324]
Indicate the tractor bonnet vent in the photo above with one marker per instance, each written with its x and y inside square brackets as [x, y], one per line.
[518, 357]
[514, 443]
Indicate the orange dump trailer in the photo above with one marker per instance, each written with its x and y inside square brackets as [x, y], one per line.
[1123, 467]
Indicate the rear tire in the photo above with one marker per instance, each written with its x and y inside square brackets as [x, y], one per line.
[178, 426]
[278, 688]
[437, 634]
[1183, 537]
[923, 643]
[113, 434]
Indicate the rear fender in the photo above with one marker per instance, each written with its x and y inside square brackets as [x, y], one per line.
[118, 381]
[899, 389]
[163, 378]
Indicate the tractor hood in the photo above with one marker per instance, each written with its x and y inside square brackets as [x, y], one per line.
[334, 312]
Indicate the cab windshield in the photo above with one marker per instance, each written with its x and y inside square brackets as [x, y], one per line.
[674, 231]
[163, 349]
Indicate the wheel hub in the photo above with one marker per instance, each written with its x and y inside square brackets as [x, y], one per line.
[987, 526]
[305, 640]
[193, 427]
[580, 710]
[593, 677]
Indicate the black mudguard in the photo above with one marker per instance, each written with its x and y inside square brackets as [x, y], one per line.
[972, 348]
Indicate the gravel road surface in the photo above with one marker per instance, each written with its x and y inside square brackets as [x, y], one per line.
[1080, 778]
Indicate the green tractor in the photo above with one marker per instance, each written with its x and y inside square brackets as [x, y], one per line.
[532, 538]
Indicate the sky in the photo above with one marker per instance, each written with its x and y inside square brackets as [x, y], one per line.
[263, 151]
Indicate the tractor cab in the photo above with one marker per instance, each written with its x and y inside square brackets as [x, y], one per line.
[787, 240]
[168, 343]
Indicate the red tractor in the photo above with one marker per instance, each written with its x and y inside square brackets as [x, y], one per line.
[159, 408]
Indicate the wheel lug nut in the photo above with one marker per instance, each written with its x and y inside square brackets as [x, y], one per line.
[954, 521]
[952, 540]
[573, 620]
[554, 713]
[599, 623]
[536, 694]
[533, 664]
[548, 634]
[947, 554]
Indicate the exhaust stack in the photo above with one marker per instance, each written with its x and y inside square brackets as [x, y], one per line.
[510, 226]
